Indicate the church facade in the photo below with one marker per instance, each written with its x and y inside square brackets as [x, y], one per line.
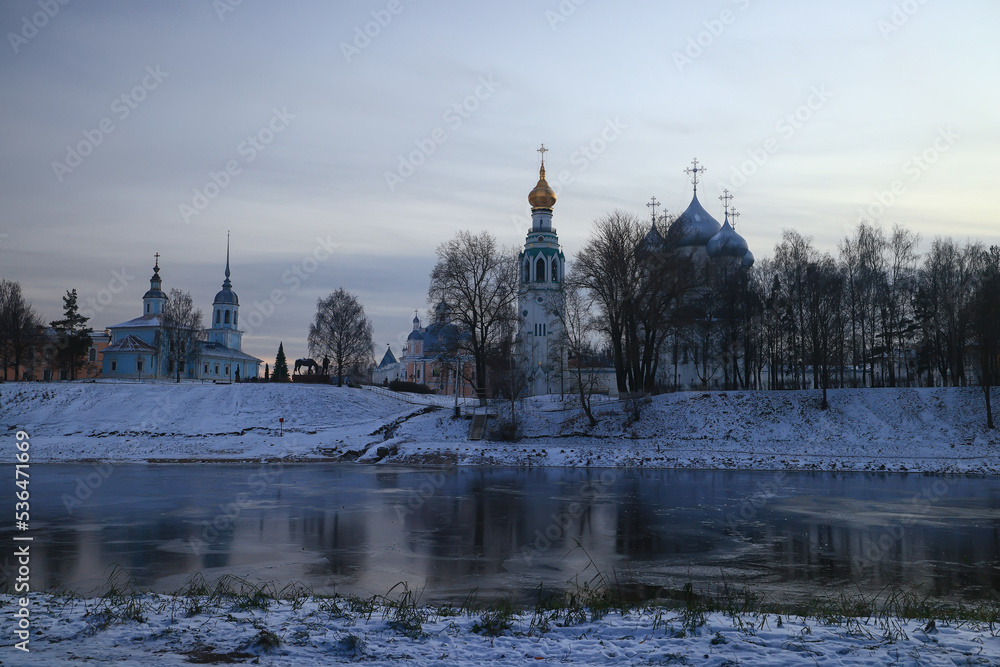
[435, 356]
[138, 347]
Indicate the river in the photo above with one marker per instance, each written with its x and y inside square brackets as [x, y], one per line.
[359, 529]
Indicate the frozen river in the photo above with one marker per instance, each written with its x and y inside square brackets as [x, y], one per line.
[352, 528]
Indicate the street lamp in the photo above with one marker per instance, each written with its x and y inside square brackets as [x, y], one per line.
[458, 374]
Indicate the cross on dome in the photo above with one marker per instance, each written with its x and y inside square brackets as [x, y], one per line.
[156, 267]
[652, 205]
[734, 214]
[694, 170]
[725, 198]
[542, 151]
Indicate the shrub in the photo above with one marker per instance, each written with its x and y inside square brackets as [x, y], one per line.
[411, 387]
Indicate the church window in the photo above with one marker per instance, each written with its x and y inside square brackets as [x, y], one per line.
[218, 314]
[147, 307]
[236, 314]
[540, 270]
[555, 271]
[93, 354]
[227, 317]
[114, 366]
[138, 365]
[206, 368]
[527, 270]
[217, 369]
[227, 369]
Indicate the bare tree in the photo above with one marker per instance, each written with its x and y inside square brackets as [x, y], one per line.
[510, 380]
[578, 331]
[182, 331]
[638, 288]
[823, 292]
[607, 268]
[791, 258]
[897, 320]
[19, 327]
[944, 290]
[985, 324]
[478, 279]
[342, 332]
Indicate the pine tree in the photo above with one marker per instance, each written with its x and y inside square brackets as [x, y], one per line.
[267, 372]
[73, 336]
[280, 365]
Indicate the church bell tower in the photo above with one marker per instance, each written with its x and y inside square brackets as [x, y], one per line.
[542, 271]
[154, 300]
[226, 313]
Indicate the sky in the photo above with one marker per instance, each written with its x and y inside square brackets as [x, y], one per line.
[339, 144]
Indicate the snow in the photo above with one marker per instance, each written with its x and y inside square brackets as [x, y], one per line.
[315, 632]
[938, 430]
[928, 430]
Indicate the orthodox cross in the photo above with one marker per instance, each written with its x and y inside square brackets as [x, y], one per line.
[725, 198]
[652, 205]
[694, 170]
[157, 256]
[542, 151]
[733, 215]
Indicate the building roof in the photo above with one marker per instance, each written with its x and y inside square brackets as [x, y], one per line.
[150, 320]
[212, 349]
[388, 358]
[653, 241]
[131, 343]
[441, 338]
[226, 296]
[542, 196]
[727, 243]
[154, 283]
[695, 226]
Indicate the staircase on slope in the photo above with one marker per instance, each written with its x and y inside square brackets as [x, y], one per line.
[478, 428]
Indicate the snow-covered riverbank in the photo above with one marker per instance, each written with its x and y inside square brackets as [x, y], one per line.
[916, 430]
[166, 630]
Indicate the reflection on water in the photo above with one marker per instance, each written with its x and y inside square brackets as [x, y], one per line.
[359, 529]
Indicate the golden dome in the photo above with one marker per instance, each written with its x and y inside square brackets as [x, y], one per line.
[542, 196]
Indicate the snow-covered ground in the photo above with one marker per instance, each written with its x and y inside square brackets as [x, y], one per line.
[320, 632]
[926, 430]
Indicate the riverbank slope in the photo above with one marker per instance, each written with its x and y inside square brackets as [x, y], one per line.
[915, 430]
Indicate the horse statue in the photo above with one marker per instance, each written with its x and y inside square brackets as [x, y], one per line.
[308, 364]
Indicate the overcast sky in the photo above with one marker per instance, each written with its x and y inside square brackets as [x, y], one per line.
[341, 143]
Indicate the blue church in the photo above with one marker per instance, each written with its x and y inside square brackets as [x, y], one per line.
[137, 347]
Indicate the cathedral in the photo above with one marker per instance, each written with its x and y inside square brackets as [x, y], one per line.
[137, 347]
[690, 355]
